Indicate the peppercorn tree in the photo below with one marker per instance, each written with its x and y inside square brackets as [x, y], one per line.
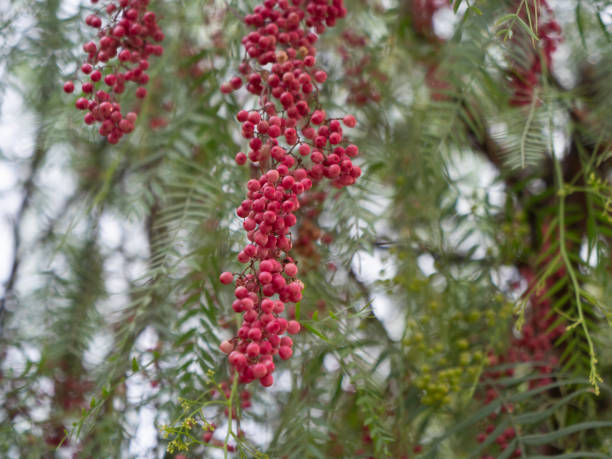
[336, 228]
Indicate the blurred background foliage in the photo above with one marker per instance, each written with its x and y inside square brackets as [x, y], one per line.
[474, 212]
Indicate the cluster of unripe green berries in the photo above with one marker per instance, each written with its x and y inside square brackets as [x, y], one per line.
[293, 144]
[120, 55]
[440, 383]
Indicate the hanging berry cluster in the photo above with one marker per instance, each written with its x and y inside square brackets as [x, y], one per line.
[535, 345]
[362, 76]
[309, 233]
[524, 76]
[293, 144]
[120, 55]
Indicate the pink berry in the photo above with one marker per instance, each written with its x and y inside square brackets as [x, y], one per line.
[285, 352]
[110, 79]
[237, 359]
[291, 269]
[82, 103]
[293, 327]
[259, 370]
[349, 121]
[352, 150]
[126, 125]
[252, 350]
[318, 117]
[320, 76]
[226, 277]
[226, 347]
[241, 158]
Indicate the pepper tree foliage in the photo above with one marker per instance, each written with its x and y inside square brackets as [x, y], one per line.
[485, 200]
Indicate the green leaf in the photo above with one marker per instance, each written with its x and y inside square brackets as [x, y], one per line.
[311, 329]
[580, 24]
[548, 438]
[504, 18]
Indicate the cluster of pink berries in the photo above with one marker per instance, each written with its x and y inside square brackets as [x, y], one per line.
[293, 144]
[535, 346]
[121, 55]
[361, 74]
[524, 78]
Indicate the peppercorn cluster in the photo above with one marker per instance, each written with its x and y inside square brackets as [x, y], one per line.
[293, 144]
[119, 55]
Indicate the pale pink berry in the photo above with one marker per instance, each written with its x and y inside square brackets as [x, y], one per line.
[226, 277]
[291, 269]
[259, 370]
[320, 76]
[252, 350]
[349, 121]
[226, 347]
[285, 352]
[293, 327]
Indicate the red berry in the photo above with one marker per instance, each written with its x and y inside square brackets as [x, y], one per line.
[226, 347]
[226, 277]
[82, 103]
[320, 76]
[285, 352]
[259, 370]
[126, 125]
[293, 327]
[68, 87]
[349, 121]
[241, 158]
[291, 269]
[110, 79]
[318, 117]
[252, 350]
